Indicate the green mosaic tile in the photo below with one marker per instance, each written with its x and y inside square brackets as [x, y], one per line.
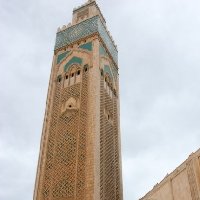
[74, 60]
[87, 46]
[108, 70]
[107, 40]
[84, 29]
[62, 56]
[76, 32]
[102, 51]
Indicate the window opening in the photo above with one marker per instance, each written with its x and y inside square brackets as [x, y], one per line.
[59, 79]
[86, 67]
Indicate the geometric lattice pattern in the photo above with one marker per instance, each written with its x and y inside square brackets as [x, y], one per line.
[64, 174]
[109, 147]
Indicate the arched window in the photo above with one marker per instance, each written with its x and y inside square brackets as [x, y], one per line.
[78, 72]
[101, 72]
[73, 75]
[78, 77]
[66, 81]
[59, 78]
[86, 68]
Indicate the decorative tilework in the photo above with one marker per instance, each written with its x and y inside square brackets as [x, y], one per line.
[77, 32]
[102, 51]
[108, 70]
[87, 46]
[84, 29]
[62, 56]
[74, 60]
[107, 40]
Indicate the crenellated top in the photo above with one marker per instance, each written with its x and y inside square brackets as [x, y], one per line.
[87, 20]
[87, 10]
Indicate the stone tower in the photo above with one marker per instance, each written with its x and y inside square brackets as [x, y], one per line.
[80, 153]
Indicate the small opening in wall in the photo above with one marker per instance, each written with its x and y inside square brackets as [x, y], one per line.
[66, 76]
[101, 72]
[70, 106]
[59, 79]
[78, 72]
[86, 69]
[72, 75]
[108, 117]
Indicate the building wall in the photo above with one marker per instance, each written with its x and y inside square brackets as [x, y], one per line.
[182, 184]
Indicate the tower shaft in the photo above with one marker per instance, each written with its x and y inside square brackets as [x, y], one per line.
[80, 154]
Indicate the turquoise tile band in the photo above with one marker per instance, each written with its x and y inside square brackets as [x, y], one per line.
[84, 29]
[62, 56]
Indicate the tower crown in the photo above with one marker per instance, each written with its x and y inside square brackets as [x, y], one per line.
[85, 11]
[87, 20]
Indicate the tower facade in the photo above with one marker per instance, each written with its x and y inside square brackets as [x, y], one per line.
[80, 153]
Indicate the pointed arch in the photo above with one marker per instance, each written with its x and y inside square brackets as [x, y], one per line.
[73, 60]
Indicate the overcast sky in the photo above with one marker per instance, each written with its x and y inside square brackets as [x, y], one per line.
[159, 61]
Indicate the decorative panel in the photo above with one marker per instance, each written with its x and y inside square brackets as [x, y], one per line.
[77, 32]
[74, 60]
[62, 56]
[85, 29]
[87, 46]
[102, 51]
[107, 70]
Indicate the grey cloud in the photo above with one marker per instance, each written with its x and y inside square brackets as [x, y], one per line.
[159, 45]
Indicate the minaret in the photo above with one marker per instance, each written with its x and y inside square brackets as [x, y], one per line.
[80, 153]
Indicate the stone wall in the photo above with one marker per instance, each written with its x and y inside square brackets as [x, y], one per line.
[181, 184]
